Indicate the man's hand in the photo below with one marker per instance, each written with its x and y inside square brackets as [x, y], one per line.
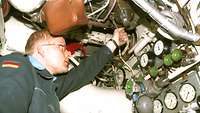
[120, 36]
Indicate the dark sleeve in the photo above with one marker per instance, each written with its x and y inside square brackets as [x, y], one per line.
[84, 73]
[13, 99]
[16, 86]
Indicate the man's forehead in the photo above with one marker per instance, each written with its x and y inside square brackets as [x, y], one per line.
[57, 39]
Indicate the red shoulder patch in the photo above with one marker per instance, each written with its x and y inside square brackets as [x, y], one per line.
[10, 64]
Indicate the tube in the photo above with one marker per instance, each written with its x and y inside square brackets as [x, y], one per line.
[2, 34]
[164, 23]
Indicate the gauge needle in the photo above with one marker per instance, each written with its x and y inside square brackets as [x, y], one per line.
[187, 95]
[158, 48]
[170, 102]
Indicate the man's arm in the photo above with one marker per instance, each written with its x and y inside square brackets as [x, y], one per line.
[85, 72]
[89, 68]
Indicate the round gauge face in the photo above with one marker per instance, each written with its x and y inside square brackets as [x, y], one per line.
[119, 77]
[187, 92]
[157, 106]
[170, 100]
[158, 47]
[144, 60]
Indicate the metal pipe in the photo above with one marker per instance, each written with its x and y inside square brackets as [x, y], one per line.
[141, 44]
[164, 23]
[98, 10]
[86, 1]
[2, 28]
[109, 12]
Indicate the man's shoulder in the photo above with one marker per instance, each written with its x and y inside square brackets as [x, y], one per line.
[14, 56]
[13, 60]
[16, 73]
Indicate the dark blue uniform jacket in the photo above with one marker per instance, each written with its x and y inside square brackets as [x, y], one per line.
[25, 89]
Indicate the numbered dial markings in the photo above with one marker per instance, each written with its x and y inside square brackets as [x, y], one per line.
[158, 47]
[170, 100]
[158, 107]
[187, 92]
[144, 60]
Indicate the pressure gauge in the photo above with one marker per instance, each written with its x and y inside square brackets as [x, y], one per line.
[158, 47]
[119, 77]
[187, 92]
[144, 60]
[157, 106]
[170, 100]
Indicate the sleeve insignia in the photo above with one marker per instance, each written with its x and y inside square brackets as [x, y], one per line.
[10, 64]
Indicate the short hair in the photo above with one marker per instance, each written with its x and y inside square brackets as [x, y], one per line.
[34, 38]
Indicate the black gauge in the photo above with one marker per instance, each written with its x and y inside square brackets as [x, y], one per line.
[187, 92]
[170, 100]
[157, 106]
[158, 47]
[144, 60]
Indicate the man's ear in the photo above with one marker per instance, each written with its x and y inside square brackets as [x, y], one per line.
[40, 51]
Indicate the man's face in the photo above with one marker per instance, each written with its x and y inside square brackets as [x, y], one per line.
[55, 55]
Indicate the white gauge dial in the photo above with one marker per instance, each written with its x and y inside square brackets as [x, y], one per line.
[187, 92]
[170, 100]
[144, 60]
[158, 47]
[119, 77]
[157, 106]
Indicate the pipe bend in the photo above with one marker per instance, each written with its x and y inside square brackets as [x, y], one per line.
[166, 24]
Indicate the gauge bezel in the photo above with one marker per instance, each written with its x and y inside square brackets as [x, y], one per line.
[120, 73]
[160, 103]
[155, 45]
[175, 100]
[182, 87]
[141, 60]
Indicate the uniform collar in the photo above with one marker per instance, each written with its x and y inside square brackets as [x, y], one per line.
[36, 63]
[40, 68]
